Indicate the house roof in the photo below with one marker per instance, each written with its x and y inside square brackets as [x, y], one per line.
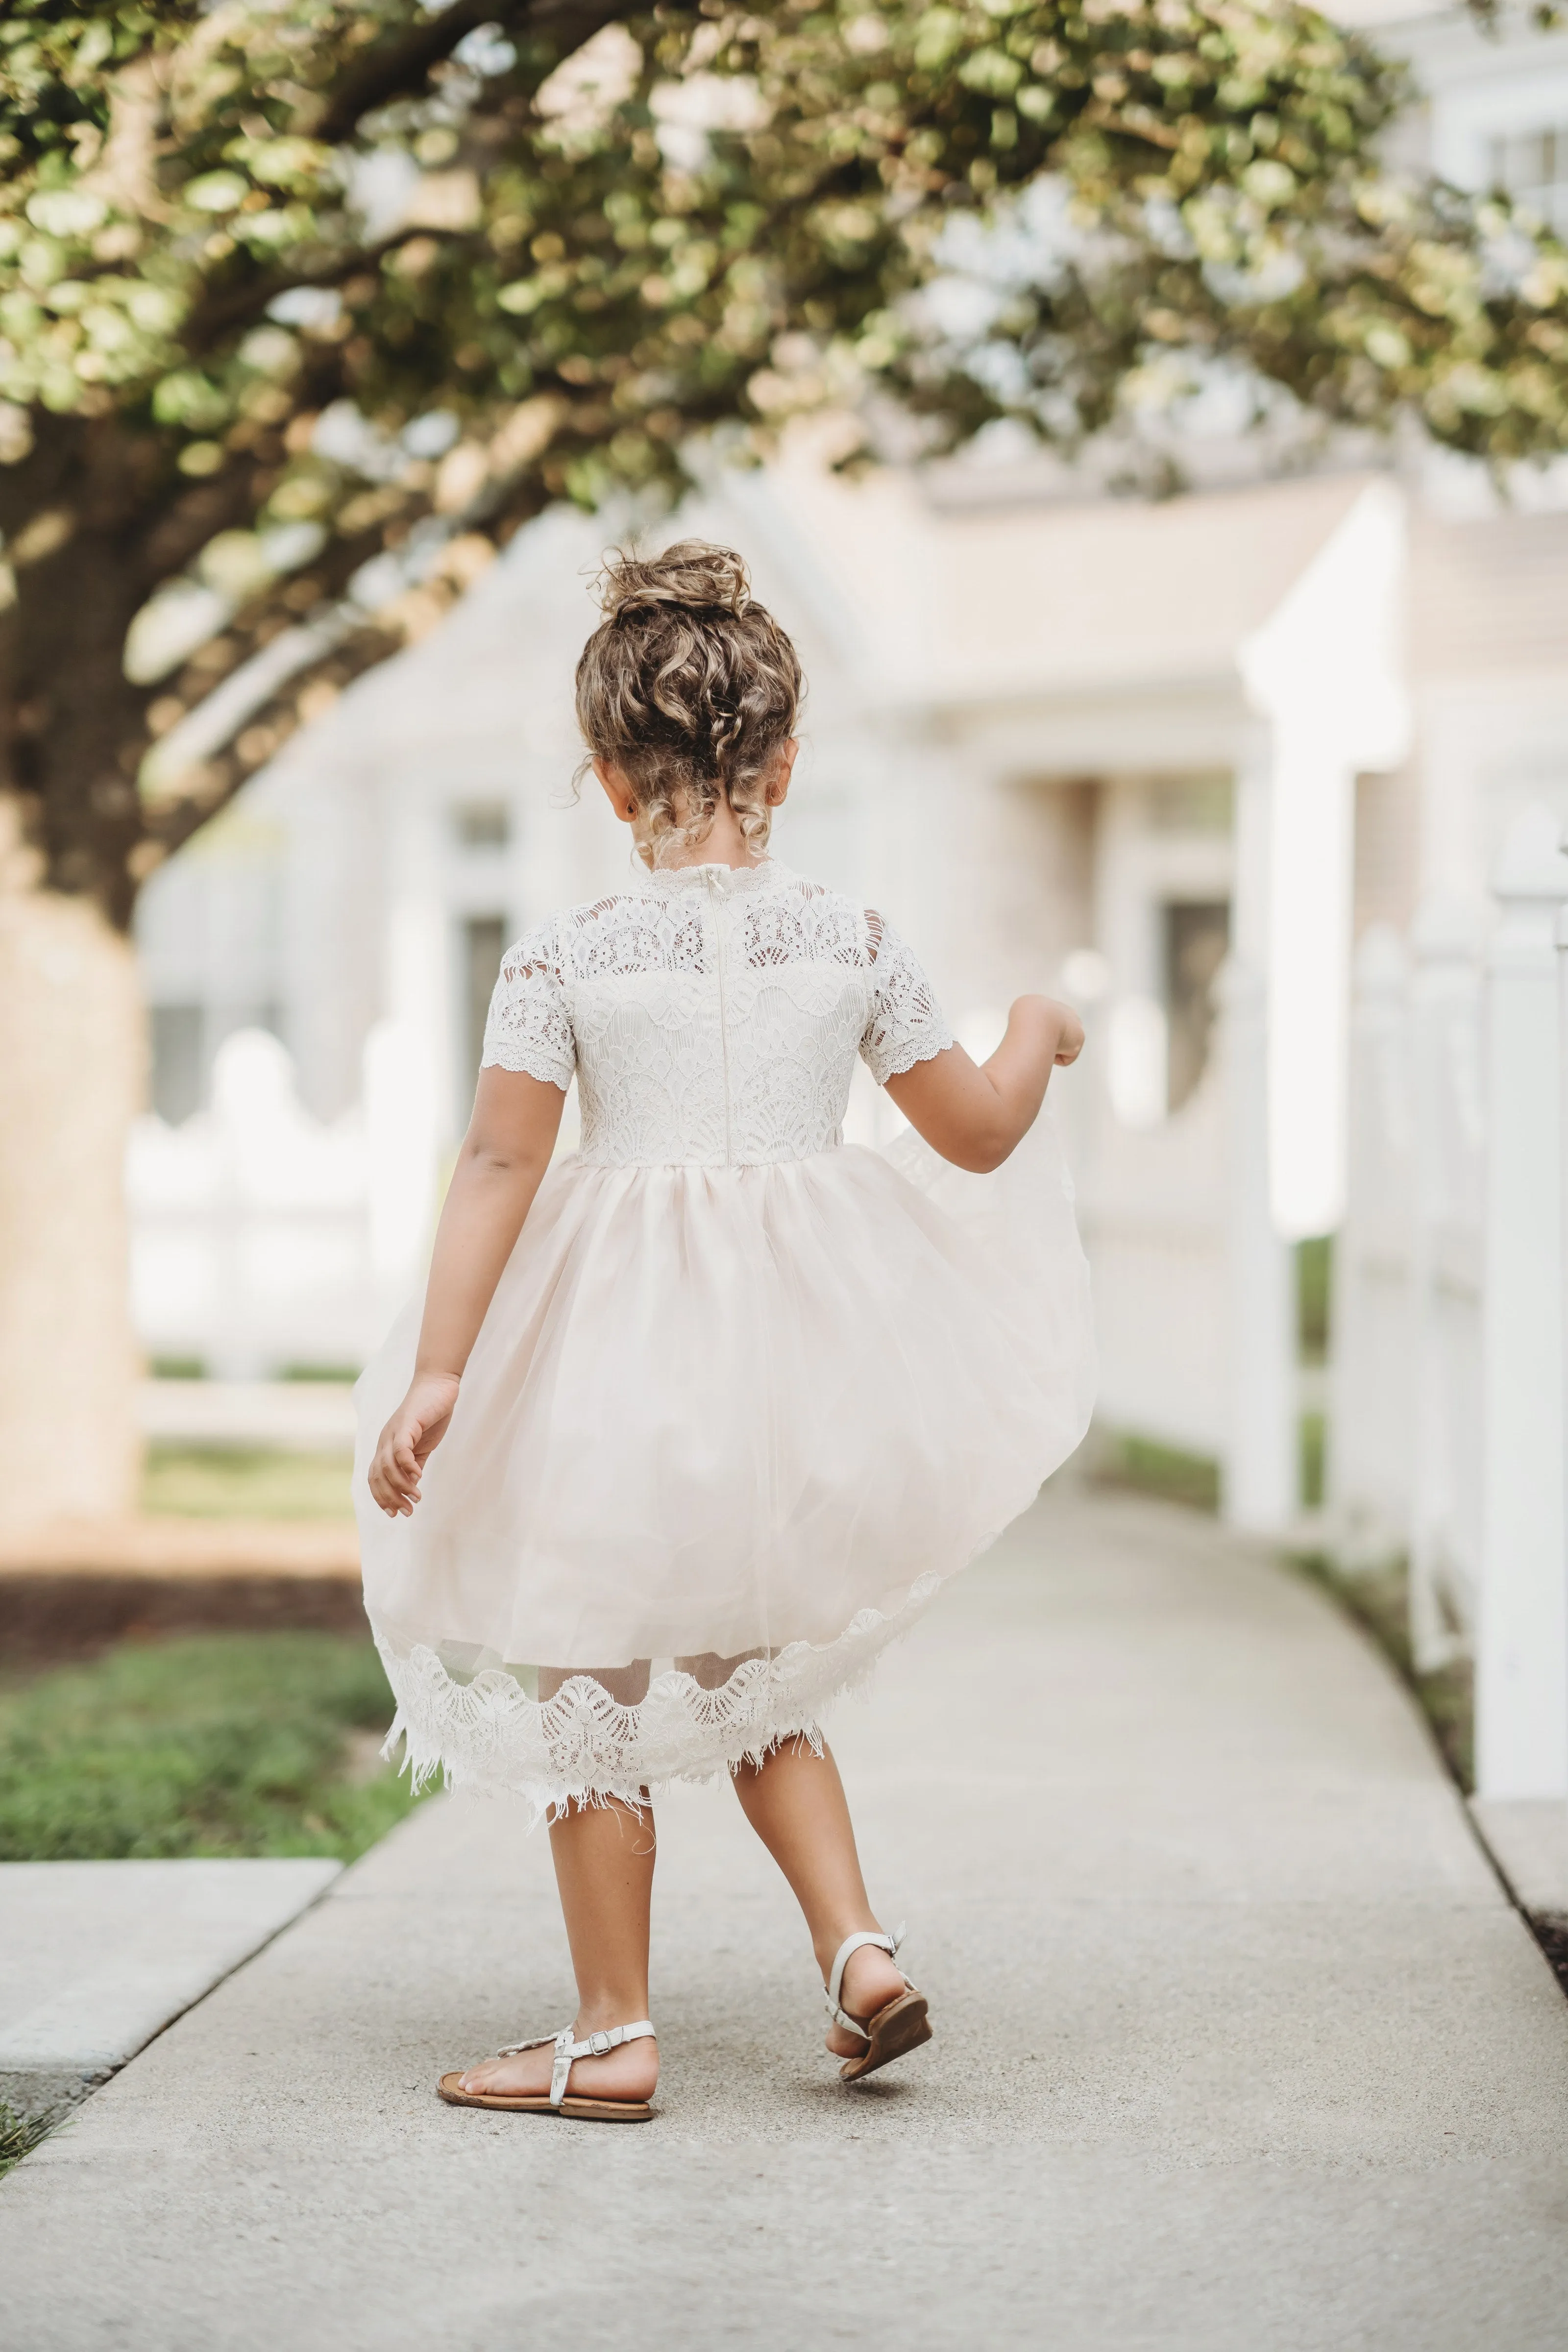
[1487, 595]
[1044, 601]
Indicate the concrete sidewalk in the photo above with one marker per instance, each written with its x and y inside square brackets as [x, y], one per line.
[1241, 2047]
[95, 1958]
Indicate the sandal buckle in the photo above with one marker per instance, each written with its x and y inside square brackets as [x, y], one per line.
[600, 2044]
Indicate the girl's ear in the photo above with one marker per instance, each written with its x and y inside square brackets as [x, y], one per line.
[778, 783]
[617, 792]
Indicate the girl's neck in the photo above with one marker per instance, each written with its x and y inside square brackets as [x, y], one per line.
[723, 843]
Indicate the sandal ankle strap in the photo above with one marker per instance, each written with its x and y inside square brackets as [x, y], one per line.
[835, 1985]
[595, 2045]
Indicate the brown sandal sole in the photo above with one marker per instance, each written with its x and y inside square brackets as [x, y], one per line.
[895, 2031]
[588, 2111]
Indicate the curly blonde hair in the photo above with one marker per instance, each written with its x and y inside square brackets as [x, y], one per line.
[691, 688]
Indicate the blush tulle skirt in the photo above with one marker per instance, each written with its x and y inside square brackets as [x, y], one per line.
[722, 1437]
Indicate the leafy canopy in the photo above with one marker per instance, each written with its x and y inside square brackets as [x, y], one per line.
[304, 306]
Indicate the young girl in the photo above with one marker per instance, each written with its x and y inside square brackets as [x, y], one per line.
[719, 1399]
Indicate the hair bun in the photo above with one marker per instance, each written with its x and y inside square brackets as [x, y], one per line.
[692, 576]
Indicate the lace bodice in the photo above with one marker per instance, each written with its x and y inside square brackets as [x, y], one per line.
[713, 1014]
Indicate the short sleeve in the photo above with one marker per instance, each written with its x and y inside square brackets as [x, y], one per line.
[906, 1023]
[530, 1028]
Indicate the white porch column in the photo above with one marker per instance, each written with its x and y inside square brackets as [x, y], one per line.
[1258, 1476]
[1323, 675]
[1325, 672]
[1313, 890]
[1521, 1661]
[1258, 1481]
[1259, 1473]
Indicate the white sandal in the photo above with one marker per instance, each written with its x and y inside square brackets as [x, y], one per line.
[556, 2101]
[897, 2028]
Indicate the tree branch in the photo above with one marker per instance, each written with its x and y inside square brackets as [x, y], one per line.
[395, 67]
[237, 305]
[401, 65]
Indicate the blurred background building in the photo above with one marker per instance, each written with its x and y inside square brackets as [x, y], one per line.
[1067, 742]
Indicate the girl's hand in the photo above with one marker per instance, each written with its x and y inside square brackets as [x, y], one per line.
[409, 1439]
[1070, 1044]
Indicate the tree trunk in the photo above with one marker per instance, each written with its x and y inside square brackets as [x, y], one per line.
[72, 1074]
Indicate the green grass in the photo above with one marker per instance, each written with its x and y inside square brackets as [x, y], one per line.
[1160, 1470]
[246, 1482]
[1311, 1435]
[216, 1744]
[1379, 1599]
[1174, 1476]
[194, 1367]
[1314, 1285]
[18, 2136]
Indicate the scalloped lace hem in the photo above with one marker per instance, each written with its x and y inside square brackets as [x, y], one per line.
[526, 1062]
[583, 1747]
[903, 1058]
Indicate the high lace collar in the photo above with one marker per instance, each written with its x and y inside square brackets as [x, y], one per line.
[720, 881]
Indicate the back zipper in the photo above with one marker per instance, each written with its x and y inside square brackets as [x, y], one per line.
[716, 903]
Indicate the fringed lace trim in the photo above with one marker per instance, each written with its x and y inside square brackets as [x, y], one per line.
[583, 1747]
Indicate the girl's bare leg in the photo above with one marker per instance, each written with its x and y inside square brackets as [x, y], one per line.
[795, 1802]
[604, 1857]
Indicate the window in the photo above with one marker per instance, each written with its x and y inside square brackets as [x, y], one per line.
[1532, 166]
[481, 825]
[1197, 941]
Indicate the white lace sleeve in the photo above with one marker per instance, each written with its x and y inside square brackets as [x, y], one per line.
[906, 1023]
[528, 1028]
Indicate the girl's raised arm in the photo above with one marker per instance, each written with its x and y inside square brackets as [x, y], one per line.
[974, 1114]
[503, 1158]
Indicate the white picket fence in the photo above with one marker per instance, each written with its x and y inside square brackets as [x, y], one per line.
[264, 1239]
[1447, 1410]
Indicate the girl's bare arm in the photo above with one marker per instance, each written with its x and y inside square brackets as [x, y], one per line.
[974, 1114]
[503, 1158]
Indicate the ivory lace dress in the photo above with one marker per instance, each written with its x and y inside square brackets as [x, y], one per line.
[746, 1394]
